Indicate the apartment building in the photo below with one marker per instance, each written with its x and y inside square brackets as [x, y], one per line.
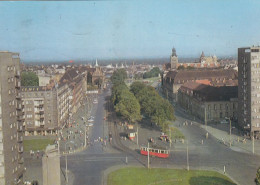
[40, 110]
[249, 89]
[11, 120]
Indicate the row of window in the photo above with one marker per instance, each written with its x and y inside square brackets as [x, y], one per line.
[222, 106]
[10, 68]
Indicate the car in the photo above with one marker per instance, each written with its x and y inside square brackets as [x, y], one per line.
[90, 120]
[89, 124]
[224, 121]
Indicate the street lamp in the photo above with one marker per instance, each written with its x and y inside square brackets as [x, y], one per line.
[229, 131]
[67, 180]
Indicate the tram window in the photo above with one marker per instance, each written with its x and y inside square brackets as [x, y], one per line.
[166, 151]
[152, 150]
[162, 151]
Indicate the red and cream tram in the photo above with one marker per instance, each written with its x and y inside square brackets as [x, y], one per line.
[162, 153]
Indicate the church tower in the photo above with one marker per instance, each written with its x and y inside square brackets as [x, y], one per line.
[174, 59]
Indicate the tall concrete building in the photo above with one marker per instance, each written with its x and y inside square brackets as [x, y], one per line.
[249, 89]
[11, 120]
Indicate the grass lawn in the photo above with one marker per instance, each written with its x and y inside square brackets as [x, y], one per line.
[36, 144]
[160, 176]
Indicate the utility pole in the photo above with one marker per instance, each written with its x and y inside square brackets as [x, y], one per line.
[188, 166]
[148, 155]
[137, 135]
[170, 137]
[229, 132]
[206, 117]
[253, 142]
[85, 136]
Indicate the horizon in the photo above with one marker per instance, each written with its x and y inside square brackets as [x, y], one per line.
[49, 31]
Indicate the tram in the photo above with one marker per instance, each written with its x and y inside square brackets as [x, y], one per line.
[155, 151]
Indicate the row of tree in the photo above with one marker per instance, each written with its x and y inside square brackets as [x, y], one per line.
[125, 103]
[140, 99]
[153, 106]
[153, 73]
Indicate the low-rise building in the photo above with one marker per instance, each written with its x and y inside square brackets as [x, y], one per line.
[173, 80]
[207, 102]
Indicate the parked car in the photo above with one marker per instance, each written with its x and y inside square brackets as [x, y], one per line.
[90, 120]
[224, 121]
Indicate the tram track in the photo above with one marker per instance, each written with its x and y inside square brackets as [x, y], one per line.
[116, 141]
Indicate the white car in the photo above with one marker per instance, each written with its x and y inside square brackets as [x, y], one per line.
[89, 125]
[224, 121]
[90, 120]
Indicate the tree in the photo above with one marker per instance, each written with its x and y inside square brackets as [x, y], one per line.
[190, 67]
[29, 79]
[118, 76]
[257, 179]
[128, 107]
[136, 87]
[89, 78]
[181, 67]
[153, 73]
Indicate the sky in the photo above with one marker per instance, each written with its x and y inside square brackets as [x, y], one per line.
[86, 30]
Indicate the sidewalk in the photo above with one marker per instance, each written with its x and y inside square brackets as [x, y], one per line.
[238, 143]
[221, 133]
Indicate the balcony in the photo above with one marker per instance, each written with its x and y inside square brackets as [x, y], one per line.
[20, 128]
[17, 84]
[21, 160]
[17, 74]
[20, 150]
[18, 96]
[20, 139]
[20, 118]
[19, 106]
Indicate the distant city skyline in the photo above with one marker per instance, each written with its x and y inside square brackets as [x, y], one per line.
[86, 30]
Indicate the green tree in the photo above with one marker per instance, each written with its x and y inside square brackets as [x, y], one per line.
[257, 179]
[118, 76]
[190, 67]
[128, 107]
[181, 67]
[136, 87]
[29, 79]
[153, 73]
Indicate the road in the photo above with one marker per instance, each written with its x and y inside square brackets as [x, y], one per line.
[88, 166]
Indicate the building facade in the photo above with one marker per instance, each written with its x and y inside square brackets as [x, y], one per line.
[249, 89]
[40, 110]
[11, 120]
[209, 103]
[173, 80]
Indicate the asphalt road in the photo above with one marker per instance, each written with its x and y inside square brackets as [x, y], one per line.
[88, 166]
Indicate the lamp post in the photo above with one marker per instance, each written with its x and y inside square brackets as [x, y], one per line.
[229, 131]
[66, 159]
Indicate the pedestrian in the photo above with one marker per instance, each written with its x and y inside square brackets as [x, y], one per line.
[202, 141]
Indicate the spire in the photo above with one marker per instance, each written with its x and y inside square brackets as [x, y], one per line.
[202, 54]
[174, 52]
[96, 65]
